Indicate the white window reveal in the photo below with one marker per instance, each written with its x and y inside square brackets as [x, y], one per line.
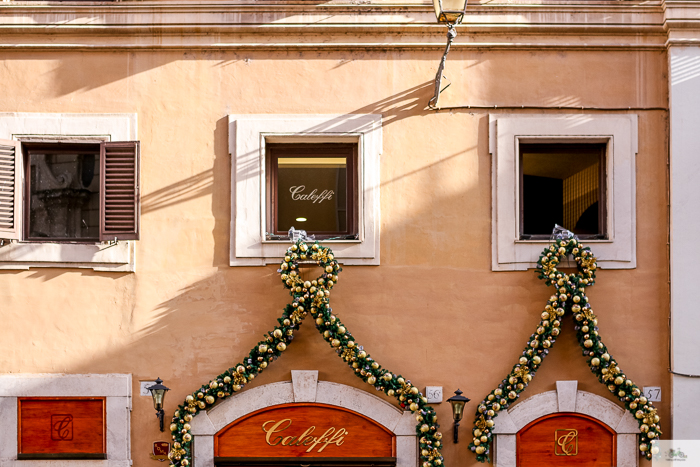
[577, 171]
[318, 173]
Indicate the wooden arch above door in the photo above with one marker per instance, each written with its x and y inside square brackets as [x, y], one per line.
[303, 430]
[567, 440]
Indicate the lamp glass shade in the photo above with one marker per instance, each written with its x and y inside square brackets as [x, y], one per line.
[450, 11]
[457, 410]
[158, 396]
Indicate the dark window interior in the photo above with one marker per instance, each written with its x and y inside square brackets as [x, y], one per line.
[313, 187]
[63, 184]
[562, 184]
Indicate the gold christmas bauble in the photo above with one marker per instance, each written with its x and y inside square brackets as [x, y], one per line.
[424, 452]
[200, 395]
[390, 392]
[644, 427]
[263, 365]
[480, 449]
[477, 432]
[185, 462]
[220, 394]
[319, 321]
[187, 427]
[400, 380]
[227, 379]
[490, 423]
[499, 391]
[643, 400]
[371, 380]
[619, 380]
[329, 268]
[496, 406]
[588, 343]
[595, 361]
[606, 357]
[414, 391]
[633, 405]
[189, 398]
[643, 447]
[424, 428]
[375, 365]
[277, 333]
[335, 343]
[639, 414]
[413, 407]
[512, 395]
[281, 346]
[351, 344]
[236, 387]
[201, 405]
[483, 439]
[477, 442]
[173, 426]
[209, 399]
[187, 437]
[326, 334]
[188, 418]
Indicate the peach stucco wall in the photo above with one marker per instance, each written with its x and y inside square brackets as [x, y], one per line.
[433, 311]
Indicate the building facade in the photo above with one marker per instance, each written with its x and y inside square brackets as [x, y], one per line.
[156, 153]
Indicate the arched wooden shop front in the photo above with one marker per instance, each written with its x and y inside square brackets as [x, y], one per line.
[304, 434]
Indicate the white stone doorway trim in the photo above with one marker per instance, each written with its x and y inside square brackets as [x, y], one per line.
[305, 387]
[566, 398]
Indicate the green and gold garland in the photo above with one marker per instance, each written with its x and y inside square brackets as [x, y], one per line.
[308, 297]
[569, 297]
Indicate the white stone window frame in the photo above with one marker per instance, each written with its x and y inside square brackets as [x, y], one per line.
[56, 127]
[115, 388]
[305, 387]
[248, 135]
[568, 399]
[618, 132]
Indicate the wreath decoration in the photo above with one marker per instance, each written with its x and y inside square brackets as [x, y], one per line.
[569, 297]
[308, 297]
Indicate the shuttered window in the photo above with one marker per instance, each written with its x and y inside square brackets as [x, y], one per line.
[120, 191]
[69, 192]
[10, 199]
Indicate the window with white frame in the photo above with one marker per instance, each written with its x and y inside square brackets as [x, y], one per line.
[69, 190]
[318, 173]
[576, 171]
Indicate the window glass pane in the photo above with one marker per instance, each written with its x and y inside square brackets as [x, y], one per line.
[312, 194]
[561, 184]
[64, 198]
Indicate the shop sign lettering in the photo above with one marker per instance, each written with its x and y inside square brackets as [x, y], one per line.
[306, 438]
[314, 196]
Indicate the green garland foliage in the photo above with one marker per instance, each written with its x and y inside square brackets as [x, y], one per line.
[308, 297]
[569, 298]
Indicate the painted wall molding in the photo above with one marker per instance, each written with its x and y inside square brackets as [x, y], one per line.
[566, 398]
[116, 388]
[305, 387]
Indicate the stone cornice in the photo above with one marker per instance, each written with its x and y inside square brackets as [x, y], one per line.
[377, 24]
[682, 22]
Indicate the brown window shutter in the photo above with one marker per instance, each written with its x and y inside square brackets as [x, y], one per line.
[120, 206]
[10, 189]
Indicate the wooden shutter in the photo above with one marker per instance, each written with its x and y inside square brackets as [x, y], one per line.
[120, 206]
[10, 189]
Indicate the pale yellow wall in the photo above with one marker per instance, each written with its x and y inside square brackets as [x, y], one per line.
[433, 311]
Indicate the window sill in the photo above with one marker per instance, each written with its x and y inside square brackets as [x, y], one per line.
[96, 256]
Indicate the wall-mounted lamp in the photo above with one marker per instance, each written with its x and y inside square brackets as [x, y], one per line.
[158, 391]
[448, 12]
[457, 401]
